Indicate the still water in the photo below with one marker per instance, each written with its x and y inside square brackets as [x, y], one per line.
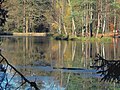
[42, 59]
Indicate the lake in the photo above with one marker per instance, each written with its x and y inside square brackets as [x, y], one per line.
[50, 63]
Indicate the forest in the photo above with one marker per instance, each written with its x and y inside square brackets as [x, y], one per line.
[67, 17]
[89, 62]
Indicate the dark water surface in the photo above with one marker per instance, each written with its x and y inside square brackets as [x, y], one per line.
[49, 62]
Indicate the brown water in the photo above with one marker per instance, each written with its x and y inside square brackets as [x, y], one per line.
[36, 58]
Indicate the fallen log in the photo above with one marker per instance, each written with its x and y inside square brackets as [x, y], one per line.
[66, 68]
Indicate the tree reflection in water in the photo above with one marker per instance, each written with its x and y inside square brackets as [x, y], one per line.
[12, 79]
[108, 69]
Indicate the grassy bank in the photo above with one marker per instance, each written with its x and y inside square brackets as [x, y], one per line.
[75, 38]
[104, 39]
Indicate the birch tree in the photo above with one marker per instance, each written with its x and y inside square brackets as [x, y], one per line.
[73, 21]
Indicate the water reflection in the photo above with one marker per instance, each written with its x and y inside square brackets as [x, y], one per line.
[35, 57]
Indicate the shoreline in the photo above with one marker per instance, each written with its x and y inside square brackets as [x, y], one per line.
[29, 34]
[62, 37]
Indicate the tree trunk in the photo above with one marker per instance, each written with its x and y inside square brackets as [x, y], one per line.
[114, 20]
[59, 23]
[27, 25]
[104, 24]
[62, 15]
[98, 26]
[73, 27]
[65, 29]
[86, 25]
[91, 23]
[104, 20]
[24, 16]
[83, 26]
[73, 21]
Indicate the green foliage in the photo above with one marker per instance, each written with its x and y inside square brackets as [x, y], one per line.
[116, 5]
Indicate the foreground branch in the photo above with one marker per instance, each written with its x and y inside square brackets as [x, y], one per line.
[32, 84]
[109, 69]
